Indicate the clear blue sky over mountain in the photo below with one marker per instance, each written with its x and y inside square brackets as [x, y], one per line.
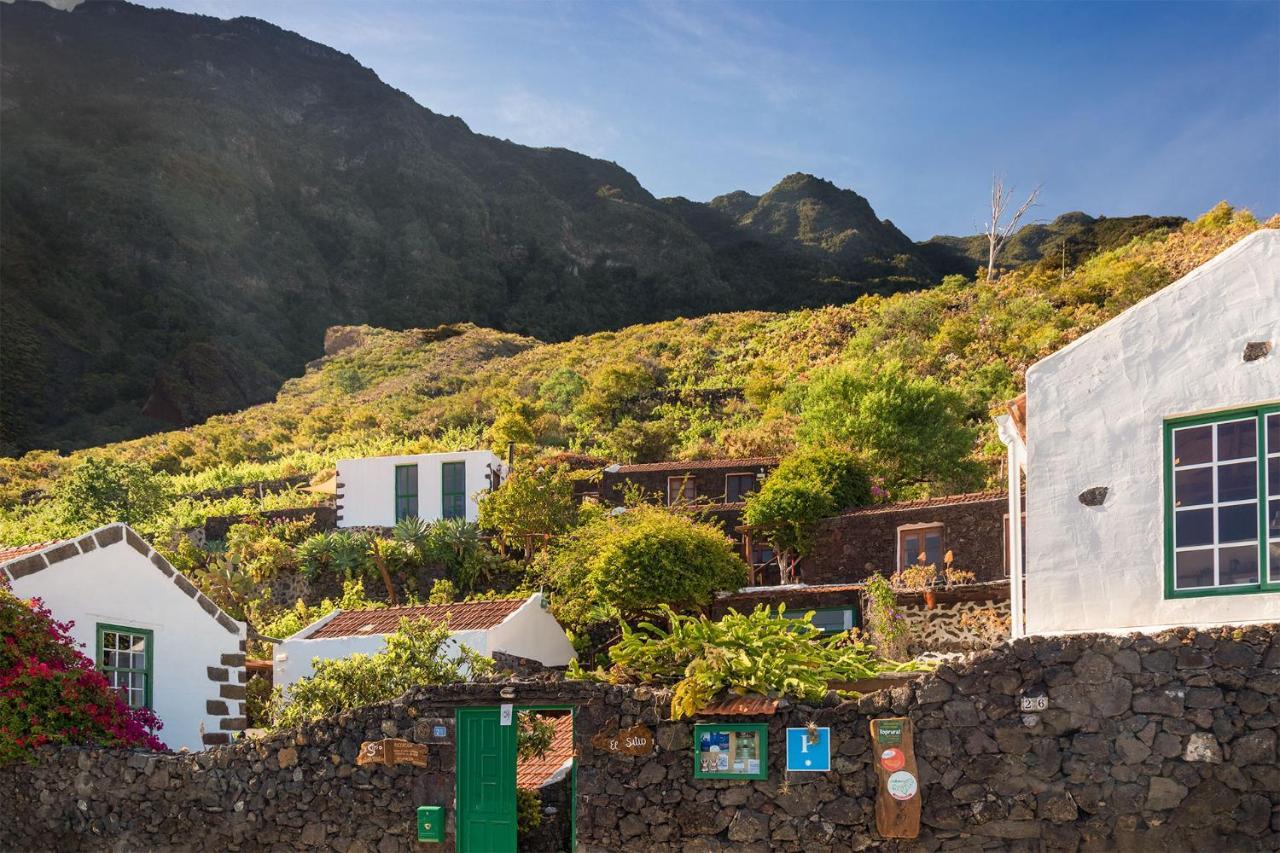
[1117, 108]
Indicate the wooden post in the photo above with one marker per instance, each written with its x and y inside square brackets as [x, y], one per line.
[898, 799]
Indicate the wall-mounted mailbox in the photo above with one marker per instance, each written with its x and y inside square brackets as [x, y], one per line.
[431, 823]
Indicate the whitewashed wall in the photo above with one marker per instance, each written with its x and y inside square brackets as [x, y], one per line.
[1095, 414]
[367, 487]
[530, 632]
[119, 586]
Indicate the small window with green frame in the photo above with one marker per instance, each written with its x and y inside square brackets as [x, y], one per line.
[406, 491]
[731, 751]
[126, 656]
[1222, 503]
[453, 490]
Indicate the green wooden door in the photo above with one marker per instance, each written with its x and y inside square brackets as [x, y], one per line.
[486, 811]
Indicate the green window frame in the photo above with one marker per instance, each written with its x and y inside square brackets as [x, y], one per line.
[128, 669]
[1216, 489]
[406, 491]
[761, 735]
[453, 490]
[848, 613]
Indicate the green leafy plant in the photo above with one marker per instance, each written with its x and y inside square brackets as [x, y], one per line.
[530, 507]
[100, 491]
[760, 652]
[887, 624]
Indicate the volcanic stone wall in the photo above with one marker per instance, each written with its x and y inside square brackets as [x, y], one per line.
[1163, 742]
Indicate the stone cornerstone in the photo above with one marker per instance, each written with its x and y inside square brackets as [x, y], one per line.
[1164, 742]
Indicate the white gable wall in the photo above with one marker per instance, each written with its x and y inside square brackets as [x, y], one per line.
[117, 585]
[367, 487]
[530, 632]
[1095, 416]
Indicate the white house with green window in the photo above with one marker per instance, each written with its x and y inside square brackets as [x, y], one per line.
[1152, 459]
[378, 491]
[160, 642]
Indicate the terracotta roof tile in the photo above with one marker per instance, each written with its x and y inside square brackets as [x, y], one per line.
[12, 552]
[1018, 413]
[533, 773]
[925, 503]
[459, 616]
[741, 706]
[681, 465]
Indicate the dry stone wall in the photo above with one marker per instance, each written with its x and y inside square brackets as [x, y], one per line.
[1165, 742]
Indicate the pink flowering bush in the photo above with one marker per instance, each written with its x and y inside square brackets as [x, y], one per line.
[51, 694]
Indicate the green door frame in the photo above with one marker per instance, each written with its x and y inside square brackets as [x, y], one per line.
[516, 709]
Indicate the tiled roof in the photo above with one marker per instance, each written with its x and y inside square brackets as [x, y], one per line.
[13, 552]
[533, 773]
[741, 706]
[925, 503]
[681, 465]
[459, 616]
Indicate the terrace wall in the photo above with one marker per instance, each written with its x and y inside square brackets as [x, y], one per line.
[1161, 742]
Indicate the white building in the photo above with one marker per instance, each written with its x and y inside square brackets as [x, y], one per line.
[380, 490]
[1152, 458]
[160, 641]
[521, 627]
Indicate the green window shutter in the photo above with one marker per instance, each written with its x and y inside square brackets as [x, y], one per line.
[1222, 503]
[406, 491]
[126, 656]
[453, 490]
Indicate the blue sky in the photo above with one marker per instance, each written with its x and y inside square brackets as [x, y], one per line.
[1116, 108]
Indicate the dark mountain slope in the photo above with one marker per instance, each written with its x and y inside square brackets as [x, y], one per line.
[188, 203]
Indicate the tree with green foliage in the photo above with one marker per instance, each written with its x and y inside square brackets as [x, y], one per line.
[530, 507]
[100, 491]
[417, 654]
[910, 431]
[808, 486]
[631, 563]
[510, 428]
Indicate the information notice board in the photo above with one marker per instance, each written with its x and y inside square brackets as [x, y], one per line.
[897, 780]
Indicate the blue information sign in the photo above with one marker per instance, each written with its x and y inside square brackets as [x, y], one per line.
[804, 754]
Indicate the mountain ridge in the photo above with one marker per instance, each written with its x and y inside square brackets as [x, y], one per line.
[191, 202]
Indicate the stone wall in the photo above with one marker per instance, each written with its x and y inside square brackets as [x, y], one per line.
[322, 518]
[855, 545]
[1163, 742]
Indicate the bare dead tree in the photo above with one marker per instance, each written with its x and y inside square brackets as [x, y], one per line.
[999, 229]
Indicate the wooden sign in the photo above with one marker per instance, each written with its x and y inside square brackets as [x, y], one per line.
[391, 751]
[637, 741]
[898, 799]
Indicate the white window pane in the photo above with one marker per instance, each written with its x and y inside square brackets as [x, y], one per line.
[137, 642]
[1238, 565]
[1238, 440]
[1193, 569]
[1238, 481]
[1193, 487]
[1193, 446]
[1193, 527]
[1238, 523]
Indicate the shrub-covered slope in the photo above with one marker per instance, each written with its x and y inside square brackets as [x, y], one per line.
[721, 384]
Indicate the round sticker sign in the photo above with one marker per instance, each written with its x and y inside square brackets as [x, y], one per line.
[892, 759]
[901, 785]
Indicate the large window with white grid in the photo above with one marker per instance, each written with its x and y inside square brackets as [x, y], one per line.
[1222, 503]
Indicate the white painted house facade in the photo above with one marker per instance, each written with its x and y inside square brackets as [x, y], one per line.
[521, 627]
[1152, 459]
[156, 638]
[380, 490]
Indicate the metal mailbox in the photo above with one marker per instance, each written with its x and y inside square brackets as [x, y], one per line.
[431, 823]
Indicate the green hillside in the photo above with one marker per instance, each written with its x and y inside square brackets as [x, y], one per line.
[729, 383]
[190, 202]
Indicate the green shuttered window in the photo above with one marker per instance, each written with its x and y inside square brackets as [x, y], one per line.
[406, 491]
[453, 490]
